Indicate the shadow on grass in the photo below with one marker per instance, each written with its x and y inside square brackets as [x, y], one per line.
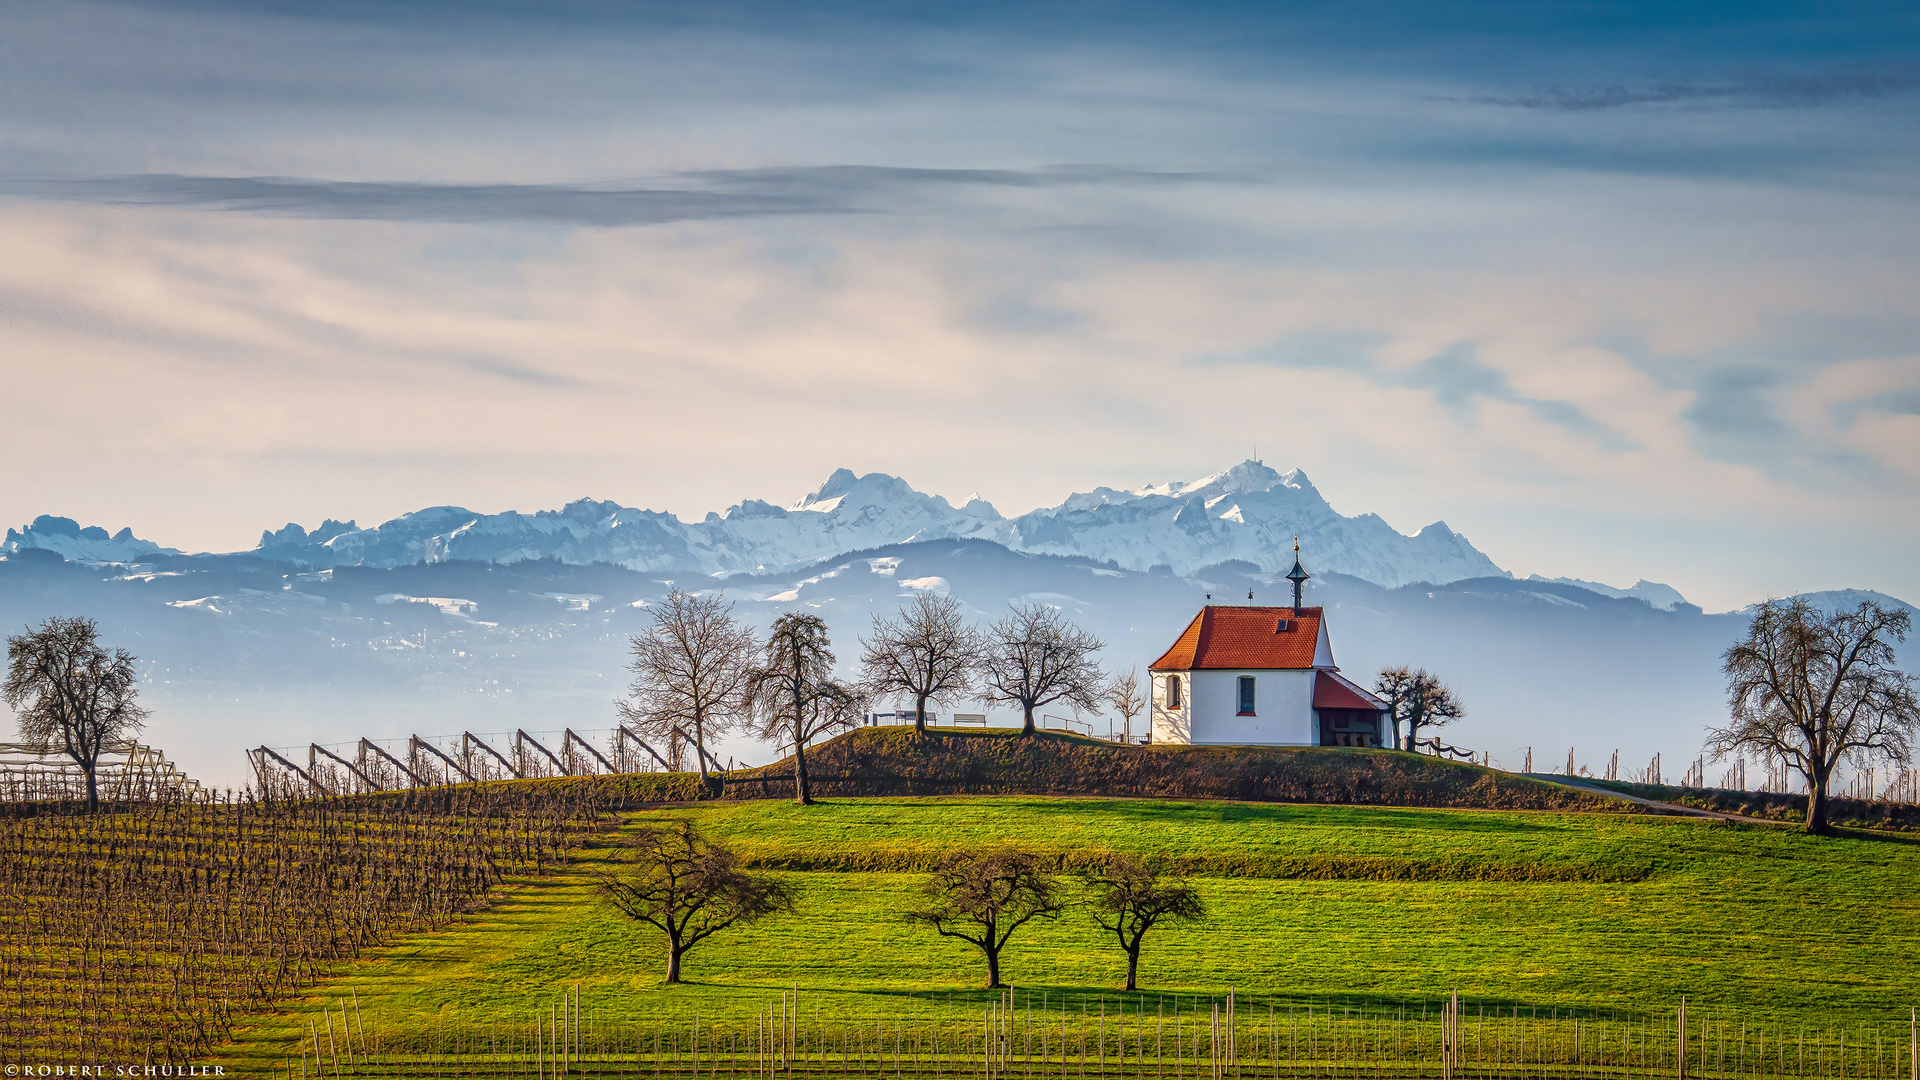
[1317, 814]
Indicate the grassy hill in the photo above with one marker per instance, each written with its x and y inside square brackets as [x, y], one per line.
[894, 761]
[1376, 906]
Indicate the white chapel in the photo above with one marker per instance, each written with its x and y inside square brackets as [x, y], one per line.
[1264, 676]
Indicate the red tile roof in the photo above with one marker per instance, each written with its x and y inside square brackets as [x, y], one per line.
[1330, 691]
[1223, 636]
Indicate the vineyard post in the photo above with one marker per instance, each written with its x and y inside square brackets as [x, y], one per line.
[332, 1051]
[1680, 1042]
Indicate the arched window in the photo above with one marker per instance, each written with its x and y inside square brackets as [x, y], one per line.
[1173, 691]
[1246, 695]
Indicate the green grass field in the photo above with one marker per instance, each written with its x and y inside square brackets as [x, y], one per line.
[1757, 921]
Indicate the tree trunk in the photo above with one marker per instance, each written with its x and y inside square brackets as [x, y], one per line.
[1817, 803]
[993, 968]
[1027, 728]
[920, 715]
[700, 748]
[673, 963]
[93, 793]
[801, 794]
[1133, 965]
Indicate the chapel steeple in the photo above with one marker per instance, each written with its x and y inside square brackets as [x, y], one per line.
[1297, 575]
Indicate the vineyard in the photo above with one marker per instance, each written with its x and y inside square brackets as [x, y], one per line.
[1045, 1034]
[137, 935]
[427, 931]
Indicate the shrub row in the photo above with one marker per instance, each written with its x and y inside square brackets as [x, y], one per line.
[1277, 867]
[895, 761]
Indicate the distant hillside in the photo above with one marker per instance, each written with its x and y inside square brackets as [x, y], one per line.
[236, 650]
[894, 761]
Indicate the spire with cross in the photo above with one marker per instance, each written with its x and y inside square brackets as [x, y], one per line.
[1297, 575]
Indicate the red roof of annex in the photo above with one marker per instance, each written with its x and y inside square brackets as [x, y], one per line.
[1223, 636]
[1331, 690]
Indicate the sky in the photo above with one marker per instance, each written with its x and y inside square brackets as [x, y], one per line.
[1616, 290]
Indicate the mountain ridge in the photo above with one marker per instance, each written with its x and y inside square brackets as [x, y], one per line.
[1248, 512]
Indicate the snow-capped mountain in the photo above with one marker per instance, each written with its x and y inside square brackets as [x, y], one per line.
[1249, 513]
[582, 532]
[1658, 596]
[89, 544]
[1845, 599]
[847, 513]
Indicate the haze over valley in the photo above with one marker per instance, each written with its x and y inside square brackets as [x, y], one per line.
[445, 620]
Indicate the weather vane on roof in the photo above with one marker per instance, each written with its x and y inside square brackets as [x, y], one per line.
[1297, 575]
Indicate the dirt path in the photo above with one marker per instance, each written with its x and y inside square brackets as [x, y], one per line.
[1671, 808]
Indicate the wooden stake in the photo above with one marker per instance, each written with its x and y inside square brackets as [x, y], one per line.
[1680, 1043]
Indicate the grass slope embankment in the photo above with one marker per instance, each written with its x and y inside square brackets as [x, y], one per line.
[896, 761]
[1567, 910]
[1778, 806]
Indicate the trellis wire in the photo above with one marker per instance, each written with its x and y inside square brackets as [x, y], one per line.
[1046, 1035]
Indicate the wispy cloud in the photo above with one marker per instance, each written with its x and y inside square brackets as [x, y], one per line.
[706, 195]
[1456, 377]
[1753, 91]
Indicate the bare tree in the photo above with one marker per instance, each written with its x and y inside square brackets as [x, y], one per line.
[1127, 699]
[793, 696]
[1396, 686]
[689, 888]
[927, 651]
[1812, 688]
[1035, 656]
[71, 694]
[982, 897]
[1129, 899]
[689, 673]
[1418, 699]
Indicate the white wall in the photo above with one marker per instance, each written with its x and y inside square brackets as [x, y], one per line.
[1283, 709]
[1169, 725]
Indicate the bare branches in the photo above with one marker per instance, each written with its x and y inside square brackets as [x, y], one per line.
[70, 693]
[793, 696]
[982, 897]
[927, 651]
[1127, 698]
[688, 888]
[1035, 656]
[689, 673]
[1418, 699]
[1129, 899]
[1812, 689]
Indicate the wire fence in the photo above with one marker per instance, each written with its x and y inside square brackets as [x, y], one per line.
[1042, 1035]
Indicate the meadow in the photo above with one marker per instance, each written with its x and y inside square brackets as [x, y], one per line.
[1368, 911]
